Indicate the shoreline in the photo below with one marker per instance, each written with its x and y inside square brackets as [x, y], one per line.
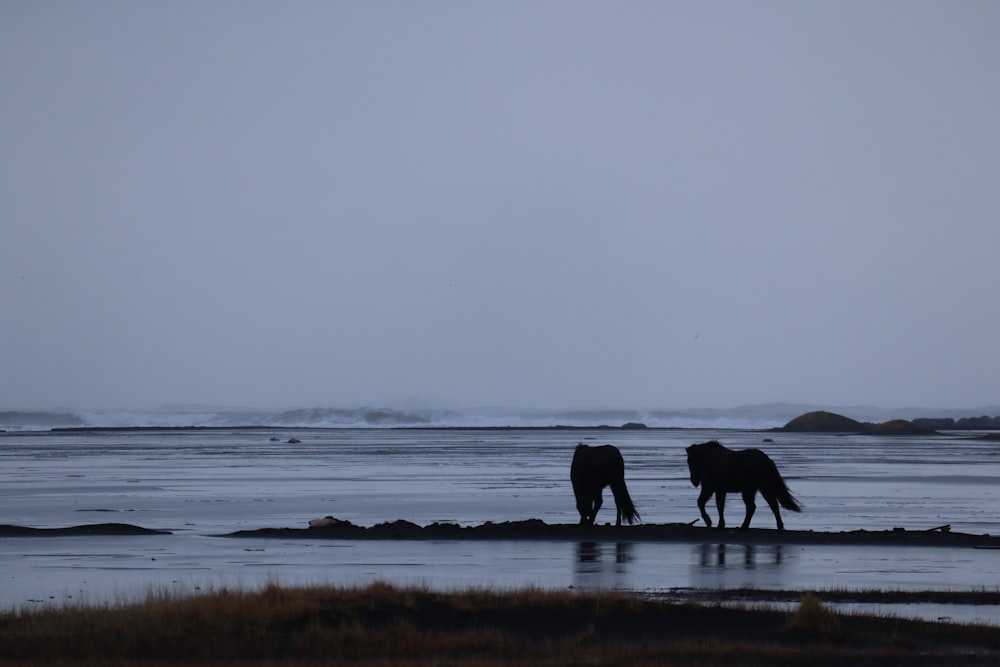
[535, 530]
[263, 427]
[969, 432]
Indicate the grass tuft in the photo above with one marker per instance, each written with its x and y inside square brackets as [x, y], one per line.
[814, 621]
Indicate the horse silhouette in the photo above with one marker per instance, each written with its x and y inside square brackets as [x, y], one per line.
[721, 470]
[593, 469]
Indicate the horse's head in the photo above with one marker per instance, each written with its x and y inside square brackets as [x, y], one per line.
[694, 464]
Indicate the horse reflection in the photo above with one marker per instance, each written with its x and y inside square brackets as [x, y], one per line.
[598, 565]
[719, 555]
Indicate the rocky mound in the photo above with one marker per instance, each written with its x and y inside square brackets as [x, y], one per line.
[830, 422]
[900, 427]
[824, 422]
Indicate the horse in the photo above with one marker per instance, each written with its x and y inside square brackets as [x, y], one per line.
[721, 470]
[593, 469]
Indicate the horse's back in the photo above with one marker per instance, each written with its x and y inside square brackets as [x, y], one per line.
[737, 470]
[591, 464]
[601, 454]
[757, 461]
[754, 456]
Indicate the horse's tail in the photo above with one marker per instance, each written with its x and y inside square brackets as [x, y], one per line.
[784, 496]
[624, 501]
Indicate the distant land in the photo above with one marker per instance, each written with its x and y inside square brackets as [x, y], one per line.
[821, 421]
[758, 417]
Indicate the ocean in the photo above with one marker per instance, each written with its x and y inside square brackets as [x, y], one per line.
[201, 483]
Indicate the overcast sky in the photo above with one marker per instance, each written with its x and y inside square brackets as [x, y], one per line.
[508, 204]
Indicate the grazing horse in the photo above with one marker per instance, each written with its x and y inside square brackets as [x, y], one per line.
[593, 469]
[721, 470]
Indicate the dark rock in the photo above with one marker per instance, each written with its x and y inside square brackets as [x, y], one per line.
[824, 422]
[901, 427]
[983, 423]
[936, 423]
[330, 522]
[634, 426]
[293, 441]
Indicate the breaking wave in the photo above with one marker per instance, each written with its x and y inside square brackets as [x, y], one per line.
[369, 417]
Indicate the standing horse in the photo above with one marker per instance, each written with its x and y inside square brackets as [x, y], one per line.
[720, 470]
[593, 469]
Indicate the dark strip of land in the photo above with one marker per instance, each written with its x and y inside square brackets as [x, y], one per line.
[536, 530]
[89, 529]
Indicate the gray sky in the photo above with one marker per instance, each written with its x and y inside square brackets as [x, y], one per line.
[510, 204]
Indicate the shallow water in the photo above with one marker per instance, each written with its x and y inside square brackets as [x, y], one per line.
[200, 484]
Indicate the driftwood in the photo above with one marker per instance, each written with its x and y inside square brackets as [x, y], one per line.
[946, 528]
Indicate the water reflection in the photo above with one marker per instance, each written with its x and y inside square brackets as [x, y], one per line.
[745, 555]
[740, 565]
[602, 565]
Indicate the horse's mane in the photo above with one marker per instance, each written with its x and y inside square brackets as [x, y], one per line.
[711, 444]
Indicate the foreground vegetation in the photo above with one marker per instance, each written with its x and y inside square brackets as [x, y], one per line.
[388, 625]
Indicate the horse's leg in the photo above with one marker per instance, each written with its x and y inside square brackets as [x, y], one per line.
[720, 503]
[584, 502]
[748, 500]
[772, 502]
[702, 499]
[598, 501]
[584, 506]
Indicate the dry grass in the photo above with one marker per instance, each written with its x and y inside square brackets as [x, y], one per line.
[389, 625]
[814, 621]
